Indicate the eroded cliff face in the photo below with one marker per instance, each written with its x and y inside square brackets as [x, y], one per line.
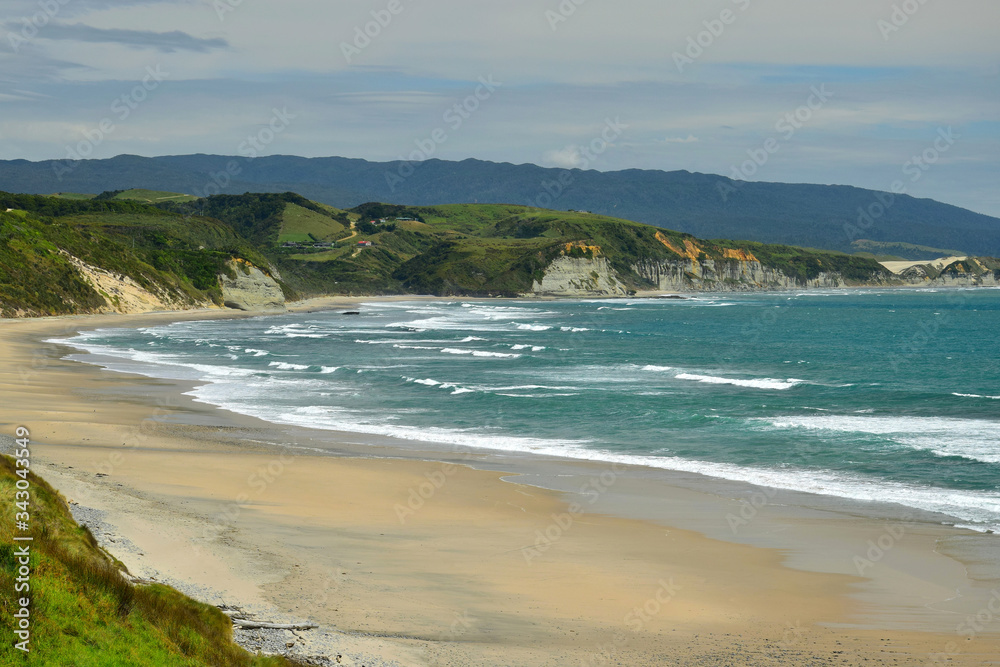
[579, 276]
[733, 275]
[251, 289]
[968, 272]
[124, 295]
[949, 280]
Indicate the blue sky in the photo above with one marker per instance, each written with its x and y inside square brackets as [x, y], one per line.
[717, 86]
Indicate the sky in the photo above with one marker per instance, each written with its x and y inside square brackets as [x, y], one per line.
[856, 92]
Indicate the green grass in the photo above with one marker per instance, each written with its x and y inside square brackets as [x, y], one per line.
[85, 614]
[304, 225]
[174, 257]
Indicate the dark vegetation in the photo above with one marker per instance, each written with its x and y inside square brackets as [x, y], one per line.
[256, 217]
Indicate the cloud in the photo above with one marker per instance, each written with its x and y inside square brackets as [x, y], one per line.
[166, 42]
[690, 139]
[567, 158]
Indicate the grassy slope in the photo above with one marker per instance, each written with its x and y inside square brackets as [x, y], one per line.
[499, 250]
[84, 613]
[166, 253]
[461, 249]
[305, 225]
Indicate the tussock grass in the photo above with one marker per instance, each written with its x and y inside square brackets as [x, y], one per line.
[85, 613]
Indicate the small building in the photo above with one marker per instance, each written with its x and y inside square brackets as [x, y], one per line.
[365, 244]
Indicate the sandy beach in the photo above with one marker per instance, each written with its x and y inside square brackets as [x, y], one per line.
[456, 558]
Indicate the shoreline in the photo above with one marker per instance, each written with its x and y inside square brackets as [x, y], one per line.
[152, 476]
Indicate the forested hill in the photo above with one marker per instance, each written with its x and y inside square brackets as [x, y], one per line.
[706, 206]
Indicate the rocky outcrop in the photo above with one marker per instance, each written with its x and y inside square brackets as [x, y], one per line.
[579, 276]
[731, 275]
[250, 289]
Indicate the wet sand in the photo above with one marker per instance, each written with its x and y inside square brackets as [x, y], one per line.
[400, 556]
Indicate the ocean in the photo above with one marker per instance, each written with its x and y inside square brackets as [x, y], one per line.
[869, 395]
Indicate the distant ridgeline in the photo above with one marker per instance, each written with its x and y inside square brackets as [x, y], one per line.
[140, 250]
[711, 206]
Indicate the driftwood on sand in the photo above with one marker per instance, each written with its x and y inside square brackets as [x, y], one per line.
[256, 625]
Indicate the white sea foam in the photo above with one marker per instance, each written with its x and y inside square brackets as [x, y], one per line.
[327, 370]
[532, 327]
[761, 383]
[528, 387]
[992, 398]
[471, 339]
[283, 366]
[536, 395]
[256, 353]
[480, 353]
[658, 369]
[974, 439]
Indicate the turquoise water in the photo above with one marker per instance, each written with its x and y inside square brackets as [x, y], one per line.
[870, 395]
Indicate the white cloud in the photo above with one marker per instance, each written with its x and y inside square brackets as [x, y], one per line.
[567, 158]
[689, 139]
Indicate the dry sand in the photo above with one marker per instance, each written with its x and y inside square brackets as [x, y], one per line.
[199, 499]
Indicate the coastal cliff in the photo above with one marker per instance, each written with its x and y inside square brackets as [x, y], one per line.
[726, 276]
[579, 276]
[249, 288]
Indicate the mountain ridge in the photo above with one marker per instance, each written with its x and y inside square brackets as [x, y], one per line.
[829, 217]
